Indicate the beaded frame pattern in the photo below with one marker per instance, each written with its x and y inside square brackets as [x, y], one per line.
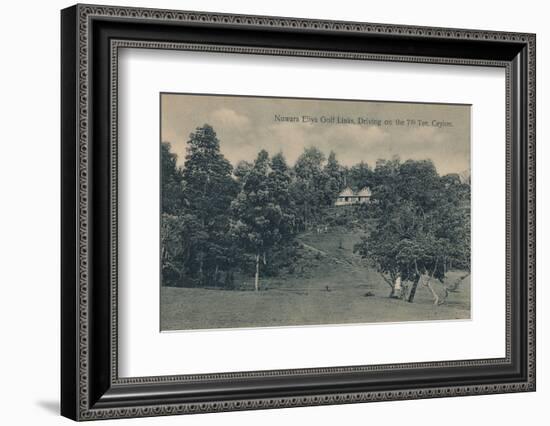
[87, 12]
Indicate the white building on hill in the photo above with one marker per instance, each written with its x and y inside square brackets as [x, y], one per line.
[348, 197]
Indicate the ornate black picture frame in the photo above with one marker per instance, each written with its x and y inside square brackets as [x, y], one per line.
[90, 38]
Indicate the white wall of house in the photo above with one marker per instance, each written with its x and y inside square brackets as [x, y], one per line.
[348, 197]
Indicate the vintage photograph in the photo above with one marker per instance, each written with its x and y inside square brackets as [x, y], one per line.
[298, 211]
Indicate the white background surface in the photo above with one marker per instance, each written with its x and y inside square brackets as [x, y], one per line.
[29, 226]
[146, 352]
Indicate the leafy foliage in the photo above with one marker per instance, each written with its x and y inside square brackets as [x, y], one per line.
[359, 176]
[422, 222]
[262, 211]
[334, 179]
[217, 221]
[171, 181]
[309, 186]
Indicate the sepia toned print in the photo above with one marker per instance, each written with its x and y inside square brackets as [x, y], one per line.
[291, 211]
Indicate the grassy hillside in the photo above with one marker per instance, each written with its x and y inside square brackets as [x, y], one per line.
[327, 284]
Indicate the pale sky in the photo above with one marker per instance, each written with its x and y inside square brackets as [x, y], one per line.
[245, 125]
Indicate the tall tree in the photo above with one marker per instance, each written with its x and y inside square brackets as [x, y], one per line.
[334, 179]
[209, 189]
[309, 184]
[258, 219]
[209, 186]
[279, 181]
[360, 176]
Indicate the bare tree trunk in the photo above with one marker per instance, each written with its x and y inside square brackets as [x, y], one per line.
[428, 284]
[452, 288]
[415, 283]
[413, 289]
[257, 276]
[397, 289]
[444, 299]
[389, 280]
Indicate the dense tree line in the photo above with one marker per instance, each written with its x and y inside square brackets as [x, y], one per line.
[219, 220]
[196, 248]
[422, 225]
